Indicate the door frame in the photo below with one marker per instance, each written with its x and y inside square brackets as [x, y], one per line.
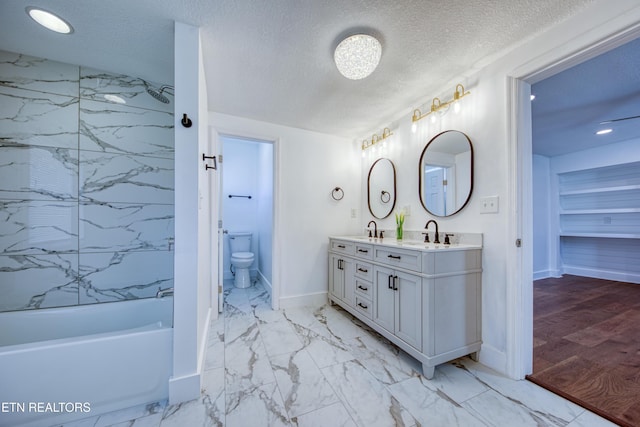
[218, 132]
[520, 262]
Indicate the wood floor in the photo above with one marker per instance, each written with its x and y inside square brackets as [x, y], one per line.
[587, 344]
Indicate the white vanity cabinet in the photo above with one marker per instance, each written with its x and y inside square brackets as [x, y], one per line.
[423, 298]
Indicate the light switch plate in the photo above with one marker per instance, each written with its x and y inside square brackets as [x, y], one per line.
[489, 204]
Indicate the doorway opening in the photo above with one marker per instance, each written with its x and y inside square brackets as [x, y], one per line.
[586, 213]
[246, 214]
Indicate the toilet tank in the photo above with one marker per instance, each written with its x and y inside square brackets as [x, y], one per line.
[240, 242]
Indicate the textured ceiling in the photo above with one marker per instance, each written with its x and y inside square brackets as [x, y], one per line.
[272, 60]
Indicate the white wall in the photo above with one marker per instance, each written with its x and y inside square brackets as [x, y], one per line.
[308, 166]
[192, 297]
[606, 155]
[486, 119]
[543, 265]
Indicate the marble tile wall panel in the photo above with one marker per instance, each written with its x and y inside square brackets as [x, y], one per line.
[110, 227]
[36, 227]
[38, 281]
[38, 118]
[95, 84]
[122, 129]
[39, 74]
[120, 233]
[38, 173]
[123, 178]
[121, 276]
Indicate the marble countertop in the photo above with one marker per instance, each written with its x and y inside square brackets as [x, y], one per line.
[409, 244]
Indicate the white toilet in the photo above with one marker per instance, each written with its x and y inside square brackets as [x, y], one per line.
[241, 258]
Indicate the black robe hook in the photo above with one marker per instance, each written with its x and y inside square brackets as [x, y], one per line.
[186, 121]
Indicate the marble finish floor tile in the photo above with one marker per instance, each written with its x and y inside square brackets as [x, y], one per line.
[368, 401]
[431, 407]
[336, 413]
[338, 373]
[303, 387]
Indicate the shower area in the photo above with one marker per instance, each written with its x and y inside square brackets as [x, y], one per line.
[86, 238]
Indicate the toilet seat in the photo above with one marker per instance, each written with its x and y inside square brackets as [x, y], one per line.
[242, 255]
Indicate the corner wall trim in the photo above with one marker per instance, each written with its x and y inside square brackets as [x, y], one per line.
[185, 388]
[493, 358]
[316, 299]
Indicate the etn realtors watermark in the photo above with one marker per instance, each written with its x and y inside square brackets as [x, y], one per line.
[45, 407]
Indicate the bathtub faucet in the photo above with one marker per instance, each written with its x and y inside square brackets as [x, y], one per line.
[164, 292]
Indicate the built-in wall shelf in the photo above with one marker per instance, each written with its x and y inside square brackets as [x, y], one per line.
[601, 190]
[599, 221]
[600, 202]
[603, 235]
[599, 211]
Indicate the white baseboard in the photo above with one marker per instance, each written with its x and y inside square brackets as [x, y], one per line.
[185, 388]
[545, 274]
[494, 359]
[265, 282]
[602, 274]
[316, 299]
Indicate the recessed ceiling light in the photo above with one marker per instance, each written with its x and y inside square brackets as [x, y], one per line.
[533, 97]
[357, 56]
[49, 20]
[604, 131]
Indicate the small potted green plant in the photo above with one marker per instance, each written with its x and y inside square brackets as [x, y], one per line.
[399, 225]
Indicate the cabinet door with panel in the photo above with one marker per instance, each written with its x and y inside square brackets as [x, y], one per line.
[336, 276]
[341, 278]
[384, 298]
[408, 309]
[397, 303]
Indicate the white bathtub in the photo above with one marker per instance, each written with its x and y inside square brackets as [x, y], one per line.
[57, 364]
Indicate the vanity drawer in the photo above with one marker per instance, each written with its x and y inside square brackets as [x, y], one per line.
[364, 251]
[364, 306]
[364, 270]
[364, 288]
[402, 258]
[343, 247]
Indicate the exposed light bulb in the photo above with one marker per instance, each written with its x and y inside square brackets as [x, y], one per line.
[456, 107]
[414, 127]
[433, 118]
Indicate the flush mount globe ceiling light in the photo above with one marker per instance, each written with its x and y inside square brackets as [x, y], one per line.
[357, 56]
[49, 20]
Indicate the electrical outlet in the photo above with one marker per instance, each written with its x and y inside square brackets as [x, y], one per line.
[354, 213]
[489, 204]
[407, 210]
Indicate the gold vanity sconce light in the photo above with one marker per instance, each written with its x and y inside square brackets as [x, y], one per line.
[439, 106]
[386, 133]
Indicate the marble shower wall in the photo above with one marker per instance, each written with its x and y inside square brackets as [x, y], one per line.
[86, 185]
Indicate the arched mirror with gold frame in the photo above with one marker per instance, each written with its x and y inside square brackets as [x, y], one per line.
[381, 188]
[446, 173]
